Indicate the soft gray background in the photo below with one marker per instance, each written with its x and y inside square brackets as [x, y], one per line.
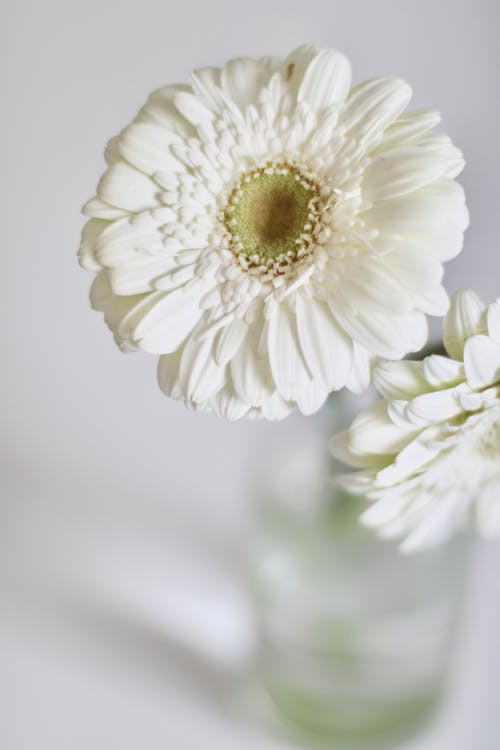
[113, 497]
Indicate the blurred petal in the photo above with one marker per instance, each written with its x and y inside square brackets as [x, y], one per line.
[441, 371]
[464, 319]
[482, 361]
[494, 320]
[399, 380]
[373, 432]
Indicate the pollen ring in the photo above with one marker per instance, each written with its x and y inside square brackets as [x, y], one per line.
[271, 217]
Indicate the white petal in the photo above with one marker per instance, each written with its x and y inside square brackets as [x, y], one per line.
[368, 282]
[441, 371]
[439, 206]
[250, 369]
[229, 340]
[433, 301]
[98, 209]
[441, 146]
[164, 328]
[243, 78]
[416, 269]
[201, 377]
[117, 310]
[141, 276]
[434, 529]
[274, 407]
[147, 147]
[372, 431]
[408, 128]
[399, 380]
[471, 401]
[494, 320]
[111, 152]
[90, 234]
[326, 347]
[436, 406]
[134, 253]
[127, 188]
[172, 279]
[194, 110]
[355, 482]
[415, 328]
[288, 367]
[206, 87]
[312, 397]
[125, 242]
[227, 404]
[385, 335]
[100, 291]
[341, 447]
[326, 81]
[374, 334]
[400, 171]
[160, 109]
[168, 374]
[464, 319]
[449, 241]
[412, 458]
[386, 510]
[360, 373]
[374, 105]
[482, 361]
[390, 512]
[295, 65]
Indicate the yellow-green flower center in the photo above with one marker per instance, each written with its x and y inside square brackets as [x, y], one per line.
[271, 216]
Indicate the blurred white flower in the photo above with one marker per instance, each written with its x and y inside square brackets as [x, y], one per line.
[430, 450]
[268, 231]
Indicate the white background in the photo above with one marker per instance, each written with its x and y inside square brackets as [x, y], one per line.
[119, 508]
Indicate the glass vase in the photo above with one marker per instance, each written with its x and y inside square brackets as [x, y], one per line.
[354, 637]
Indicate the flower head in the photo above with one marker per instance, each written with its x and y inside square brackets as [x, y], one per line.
[429, 452]
[269, 231]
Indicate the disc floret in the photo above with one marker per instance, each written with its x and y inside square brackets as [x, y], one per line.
[272, 217]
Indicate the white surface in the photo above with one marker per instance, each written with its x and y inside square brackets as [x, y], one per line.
[107, 485]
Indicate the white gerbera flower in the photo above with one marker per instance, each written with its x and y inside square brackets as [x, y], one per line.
[268, 231]
[430, 451]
